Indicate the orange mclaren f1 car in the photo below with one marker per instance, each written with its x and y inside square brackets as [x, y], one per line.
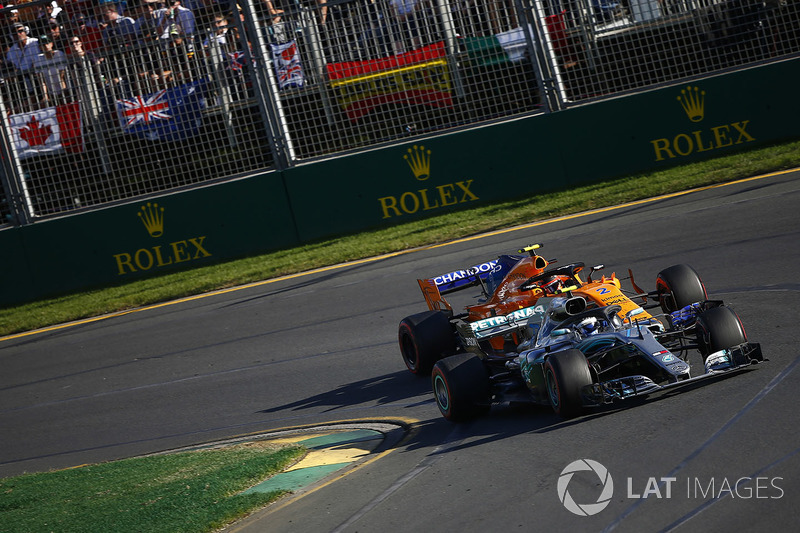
[428, 336]
[511, 285]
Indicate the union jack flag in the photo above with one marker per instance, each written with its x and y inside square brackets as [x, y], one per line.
[144, 109]
[238, 60]
[286, 59]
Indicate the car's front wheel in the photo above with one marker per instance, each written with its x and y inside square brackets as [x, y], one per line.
[719, 328]
[565, 375]
[679, 286]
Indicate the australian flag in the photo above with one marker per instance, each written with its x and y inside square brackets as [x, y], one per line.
[167, 115]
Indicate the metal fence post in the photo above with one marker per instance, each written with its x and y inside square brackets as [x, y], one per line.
[267, 89]
[14, 183]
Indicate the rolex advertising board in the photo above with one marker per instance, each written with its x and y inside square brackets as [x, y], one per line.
[150, 237]
[619, 137]
[683, 123]
[421, 178]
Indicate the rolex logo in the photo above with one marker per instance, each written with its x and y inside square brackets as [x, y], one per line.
[152, 217]
[419, 160]
[692, 100]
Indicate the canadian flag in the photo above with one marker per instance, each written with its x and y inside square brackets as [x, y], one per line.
[47, 130]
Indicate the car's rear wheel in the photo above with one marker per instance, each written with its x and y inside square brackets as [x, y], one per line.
[461, 387]
[679, 286]
[719, 328]
[565, 374]
[424, 339]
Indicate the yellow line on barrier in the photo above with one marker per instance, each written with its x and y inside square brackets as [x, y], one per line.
[390, 255]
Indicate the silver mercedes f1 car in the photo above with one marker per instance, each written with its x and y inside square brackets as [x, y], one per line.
[594, 344]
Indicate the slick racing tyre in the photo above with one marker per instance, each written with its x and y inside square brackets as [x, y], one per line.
[679, 286]
[719, 328]
[461, 387]
[565, 374]
[424, 339]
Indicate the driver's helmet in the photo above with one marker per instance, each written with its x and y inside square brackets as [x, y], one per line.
[588, 326]
[552, 286]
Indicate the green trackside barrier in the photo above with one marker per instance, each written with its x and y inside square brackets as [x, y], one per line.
[423, 177]
[656, 129]
[145, 238]
[16, 282]
[676, 125]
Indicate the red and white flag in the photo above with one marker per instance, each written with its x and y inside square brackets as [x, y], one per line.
[47, 131]
[287, 65]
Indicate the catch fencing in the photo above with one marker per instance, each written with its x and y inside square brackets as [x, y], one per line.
[257, 86]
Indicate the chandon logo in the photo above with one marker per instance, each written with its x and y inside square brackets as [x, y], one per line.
[586, 509]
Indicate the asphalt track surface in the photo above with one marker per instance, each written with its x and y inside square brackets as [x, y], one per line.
[322, 347]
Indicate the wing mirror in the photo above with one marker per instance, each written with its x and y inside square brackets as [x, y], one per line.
[634, 312]
[593, 270]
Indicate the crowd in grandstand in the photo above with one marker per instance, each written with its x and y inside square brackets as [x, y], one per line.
[142, 43]
[131, 48]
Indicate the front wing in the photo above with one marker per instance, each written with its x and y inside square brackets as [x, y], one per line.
[717, 364]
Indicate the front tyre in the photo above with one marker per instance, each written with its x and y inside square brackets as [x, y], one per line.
[679, 286]
[424, 339]
[461, 387]
[565, 375]
[717, 329]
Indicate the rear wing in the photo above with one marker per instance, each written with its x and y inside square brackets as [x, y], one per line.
[434, 289]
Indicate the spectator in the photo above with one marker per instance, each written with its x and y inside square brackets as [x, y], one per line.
[73, 7]
[85, 65]
[51, 67]
[78, 51]
[45, 14]
[120, 30]
[405, 32]
[272, 16]
[24, 51]
[59, 37]
[220, 33]
[202, 11]
[178, 64]
[145, 15]
[147, 57]
[90, 36]
[175, 20]
[11, 18]
[270, 13]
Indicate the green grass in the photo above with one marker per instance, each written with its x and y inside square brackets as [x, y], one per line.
[401, 237]
[187, 491]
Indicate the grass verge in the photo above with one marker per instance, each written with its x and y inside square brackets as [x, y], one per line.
[187, 491]
[396, 238]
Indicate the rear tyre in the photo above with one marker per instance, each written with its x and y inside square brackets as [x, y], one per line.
[565, 374]
[424, 339]
[461, 387]
[679, 286]
[719, 328]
